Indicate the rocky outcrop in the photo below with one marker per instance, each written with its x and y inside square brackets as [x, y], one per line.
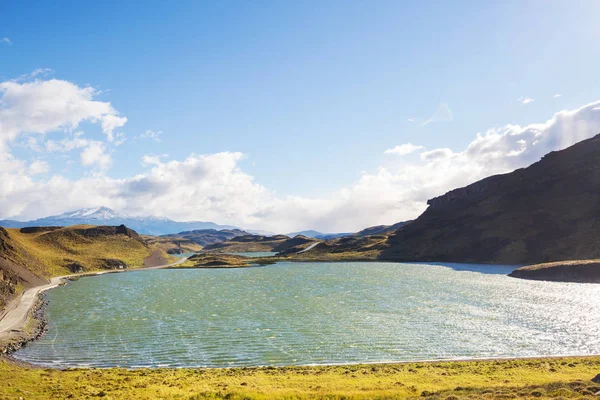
[584, 271]
[549, 211]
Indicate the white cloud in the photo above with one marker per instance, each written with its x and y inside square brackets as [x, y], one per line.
[43, 106]
[213, 187]
[557, 95]
[95, 154]
[6, 40]
[442, 114]
[403, 149]
[120, 139]
[411, 120]
[525, 100]
[150, 134]
[38, 167]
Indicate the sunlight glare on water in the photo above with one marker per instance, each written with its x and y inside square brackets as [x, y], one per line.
[313, 313]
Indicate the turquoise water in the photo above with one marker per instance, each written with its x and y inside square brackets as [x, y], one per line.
[182, 255]
[313, 313]
[255, 253]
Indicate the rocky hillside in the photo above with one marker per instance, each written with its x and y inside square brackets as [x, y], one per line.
[206, 237]
[549, 211]
[29, 256]
[248, 243]
[380, 229]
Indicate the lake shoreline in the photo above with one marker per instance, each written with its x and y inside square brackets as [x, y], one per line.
[36, 319]
[23, 320]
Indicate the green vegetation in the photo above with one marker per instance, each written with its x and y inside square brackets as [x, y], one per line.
[28, 256]
[219, 260]
[85, 245]
[494, 379]
[173, 244]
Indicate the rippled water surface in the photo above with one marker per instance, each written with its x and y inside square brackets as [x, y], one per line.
[313, 313]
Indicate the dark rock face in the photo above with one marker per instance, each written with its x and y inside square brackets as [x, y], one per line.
[36, 229]
[75, 267]
[549, 211]
[596, 379]
[113, 263]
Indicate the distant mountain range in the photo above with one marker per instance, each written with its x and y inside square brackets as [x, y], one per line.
[105, 216]
[318, 235]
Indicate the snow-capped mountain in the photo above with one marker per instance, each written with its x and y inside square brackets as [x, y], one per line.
[92, 213]
[105, 216]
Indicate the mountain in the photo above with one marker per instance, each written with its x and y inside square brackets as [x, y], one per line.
[309, 233]
[317, 235]
[248, 243]
[380, 229]
[106, 216]
[549, 211]
[205, 237]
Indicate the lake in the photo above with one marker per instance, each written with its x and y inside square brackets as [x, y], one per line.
[313, 313]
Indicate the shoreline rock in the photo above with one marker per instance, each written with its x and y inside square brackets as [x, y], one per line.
[578, 271]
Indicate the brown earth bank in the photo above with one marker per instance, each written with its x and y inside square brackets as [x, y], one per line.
[580, 271]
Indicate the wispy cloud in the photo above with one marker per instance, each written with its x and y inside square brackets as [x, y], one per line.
[525, 100]
[403, 149]
[6, 40]
[442, 114]
[557, 95]
[150, 134]
[411, 120]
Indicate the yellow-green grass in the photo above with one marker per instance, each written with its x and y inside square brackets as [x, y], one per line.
[526, 378]
[51, 250]
[172, 244]
[220, 260]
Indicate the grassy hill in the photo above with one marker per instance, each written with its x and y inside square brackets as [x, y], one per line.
[29, 256]
[173, 244]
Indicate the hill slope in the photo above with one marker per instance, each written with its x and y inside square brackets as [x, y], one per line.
[548, 211]
[28, 256]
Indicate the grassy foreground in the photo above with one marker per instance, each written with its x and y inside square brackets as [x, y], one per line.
[497, 379]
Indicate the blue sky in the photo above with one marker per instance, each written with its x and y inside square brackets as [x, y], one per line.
[312, 93]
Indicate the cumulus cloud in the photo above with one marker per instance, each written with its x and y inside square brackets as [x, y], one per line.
[403, 149]
[214, 187]
[94, 154]
[525, 100]
[43, 106]
[442, 114]
[6, 40]
[38, 167]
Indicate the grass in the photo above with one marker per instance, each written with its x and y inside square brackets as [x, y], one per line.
[220, 260]
[172, 245]
[499, 379]
[54, 250]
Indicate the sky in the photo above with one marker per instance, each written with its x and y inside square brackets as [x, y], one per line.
[328, 115]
